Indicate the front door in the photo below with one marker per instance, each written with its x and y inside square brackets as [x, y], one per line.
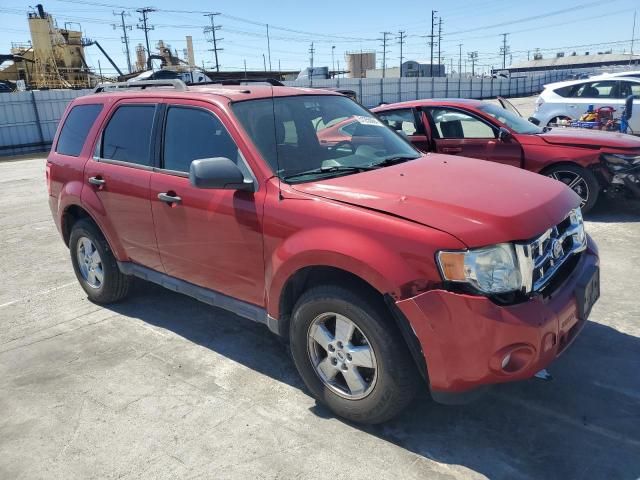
[211, 238]
[119, 176]
[456, 132]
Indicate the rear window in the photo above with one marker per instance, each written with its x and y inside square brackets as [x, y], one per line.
[564, 91]
[127, 137]
[76, 128]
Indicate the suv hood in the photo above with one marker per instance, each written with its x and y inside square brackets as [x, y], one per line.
[481, 203]
[590, 138]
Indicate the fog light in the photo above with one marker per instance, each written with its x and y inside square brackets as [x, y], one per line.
[512, 359]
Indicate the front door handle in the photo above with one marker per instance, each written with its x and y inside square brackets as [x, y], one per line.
[98, 181]
[169, 197]
[451, 149]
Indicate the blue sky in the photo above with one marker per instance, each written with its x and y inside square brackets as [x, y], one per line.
[547, 25]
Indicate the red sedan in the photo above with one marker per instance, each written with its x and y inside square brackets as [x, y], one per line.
[587, 161]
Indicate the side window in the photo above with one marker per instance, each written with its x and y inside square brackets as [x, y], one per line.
[76, 128]
[604, 89]
[191, 134]
[451, 123]
[127, 137]
[629, 88]
[400, 120]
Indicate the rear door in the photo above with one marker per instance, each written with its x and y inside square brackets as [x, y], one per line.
[118, 178]
[458, 132]
[599, 93]
[407, 122]
[208, 237]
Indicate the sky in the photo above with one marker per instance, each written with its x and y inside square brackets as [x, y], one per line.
[547, 25]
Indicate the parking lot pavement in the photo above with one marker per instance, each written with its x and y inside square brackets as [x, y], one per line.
[162, 386]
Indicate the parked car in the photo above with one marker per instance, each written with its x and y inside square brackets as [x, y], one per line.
[378, 264]
[569, 100]
[587, 161]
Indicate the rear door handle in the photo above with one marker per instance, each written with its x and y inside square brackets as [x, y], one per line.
[451, 149]
[97, 181]
[169, 197]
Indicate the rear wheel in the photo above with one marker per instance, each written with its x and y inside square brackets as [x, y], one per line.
[580, 180]
[351, 358]
[95, 266]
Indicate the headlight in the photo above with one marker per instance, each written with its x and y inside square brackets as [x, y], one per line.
[617, 162]
[490, 270]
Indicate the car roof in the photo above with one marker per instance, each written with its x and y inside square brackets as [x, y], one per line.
[460, 102]
[629, 73]
[232, 93]
[568, 83]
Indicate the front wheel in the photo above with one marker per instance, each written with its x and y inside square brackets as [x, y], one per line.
[580, 180]
[351, 358]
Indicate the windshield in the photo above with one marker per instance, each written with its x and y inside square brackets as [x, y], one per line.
[318, 136]
[511, 120]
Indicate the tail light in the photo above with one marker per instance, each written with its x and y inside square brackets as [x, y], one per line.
[48, 176]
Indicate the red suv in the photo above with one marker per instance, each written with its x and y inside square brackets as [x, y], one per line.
[378, 264]
[587, 161]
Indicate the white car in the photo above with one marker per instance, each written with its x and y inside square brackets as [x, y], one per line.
[569, 100]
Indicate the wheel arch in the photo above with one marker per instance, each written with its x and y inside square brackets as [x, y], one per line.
[72, 213]
[305, 277]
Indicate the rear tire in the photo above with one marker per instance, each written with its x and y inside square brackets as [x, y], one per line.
[581, 180]
[95, 266]
[367, 375]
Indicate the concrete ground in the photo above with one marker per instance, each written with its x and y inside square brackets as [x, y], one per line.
[162, 386]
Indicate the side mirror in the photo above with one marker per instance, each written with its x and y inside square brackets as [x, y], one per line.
[218, 173]
[504, 134]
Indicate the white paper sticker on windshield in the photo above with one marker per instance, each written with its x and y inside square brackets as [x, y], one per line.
[367, 120]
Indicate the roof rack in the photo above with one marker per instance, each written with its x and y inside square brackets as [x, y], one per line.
[239, 81]
[142, 84]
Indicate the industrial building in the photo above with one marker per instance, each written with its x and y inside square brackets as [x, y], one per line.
[410, 68]
[574, 61]
[359, 62]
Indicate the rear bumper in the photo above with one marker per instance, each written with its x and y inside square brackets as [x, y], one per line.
[465, 338]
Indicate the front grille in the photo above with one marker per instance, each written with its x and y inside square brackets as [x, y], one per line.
[541, 258]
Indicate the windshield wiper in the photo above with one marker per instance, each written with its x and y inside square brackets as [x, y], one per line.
[331, 169]
[392, 161]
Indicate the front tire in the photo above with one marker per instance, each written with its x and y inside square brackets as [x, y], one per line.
[350, 357]
[581, 180]
[95, 266]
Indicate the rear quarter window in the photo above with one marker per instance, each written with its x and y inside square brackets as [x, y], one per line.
[564, 91]
[76, 128]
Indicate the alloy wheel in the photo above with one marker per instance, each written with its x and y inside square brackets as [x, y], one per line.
[575, 182]
[89, 262]
[342, 356]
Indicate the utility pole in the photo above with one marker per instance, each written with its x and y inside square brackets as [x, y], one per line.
[401, 40]
[213, 28]
[311, 52]
[269, 46]
[431, 41]
[439, 39]
[473, 56]
[333, 61]
[633, 36]
[245, 68]
[459, 59]
[264, 62]
[504, 50]
[145, 14]
[125, 37]
[384, 53]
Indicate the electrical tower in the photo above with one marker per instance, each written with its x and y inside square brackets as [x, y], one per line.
[384, 52]
[459, 59]
[504, 50]
[146, 27]
[401, 39]
[214, 39]
[473, 56]
[125, 37]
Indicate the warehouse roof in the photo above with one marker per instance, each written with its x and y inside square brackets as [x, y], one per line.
[576, 61]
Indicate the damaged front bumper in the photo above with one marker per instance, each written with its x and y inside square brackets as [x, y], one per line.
[623, 172]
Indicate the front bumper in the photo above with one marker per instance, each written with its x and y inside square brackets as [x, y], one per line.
[465, 338]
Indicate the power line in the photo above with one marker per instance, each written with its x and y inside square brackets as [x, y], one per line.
[213, 29]
[125, 37]
[145, 13]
